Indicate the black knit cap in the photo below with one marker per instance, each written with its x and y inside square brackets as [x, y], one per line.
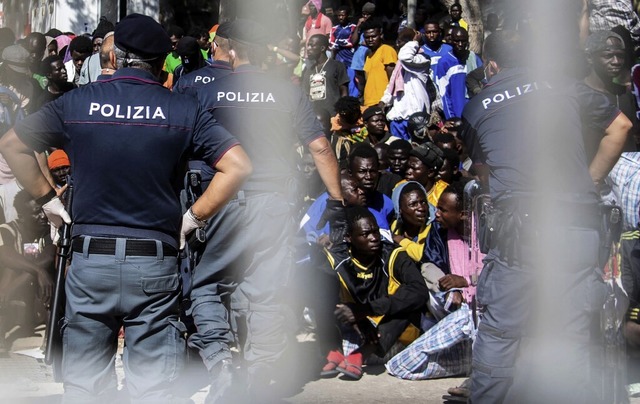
[104, 27]
[372, 111]
[429, 154]
[141, 35]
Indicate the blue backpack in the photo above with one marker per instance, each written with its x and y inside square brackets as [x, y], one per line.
[11, 110]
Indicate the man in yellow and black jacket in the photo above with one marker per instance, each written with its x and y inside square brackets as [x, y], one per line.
[382, 294]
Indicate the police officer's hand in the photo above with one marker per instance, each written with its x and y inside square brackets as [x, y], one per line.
[57, 215]
[189, 224]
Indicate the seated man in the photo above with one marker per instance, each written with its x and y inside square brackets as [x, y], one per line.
[424, 165]
[353, 196]
[26, 254]
[364, 168]
[444, 350]
[382, 294]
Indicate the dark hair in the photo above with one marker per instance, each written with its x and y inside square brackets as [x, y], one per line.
[444, 138]
[21, 200]
[431, 21]
[412, 186]
[406, 34]
[324, 41]
[504, 47]
[451, 156]
[371, 23]
[176, 31]
[456, 188]
[81, 44]
[45, 65]
[199, 32]
[344, 8]
[348, 108]
[400, 144]
[37, 36]
[363, 151]
[355, 213]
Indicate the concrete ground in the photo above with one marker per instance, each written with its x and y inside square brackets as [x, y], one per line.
[27, 380]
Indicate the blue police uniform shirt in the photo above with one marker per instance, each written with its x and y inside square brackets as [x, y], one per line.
[189, 83]
[128, 139]
[529, 132]
[269, 116]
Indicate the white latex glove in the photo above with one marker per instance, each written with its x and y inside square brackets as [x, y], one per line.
[57, 214]
[189, 224]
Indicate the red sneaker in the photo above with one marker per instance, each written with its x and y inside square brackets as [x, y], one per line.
[351, 367]
[331, 368]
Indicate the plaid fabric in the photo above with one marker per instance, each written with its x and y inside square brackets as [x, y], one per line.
[443, 351]
[624, 180]
[607, 14]
[351, 341]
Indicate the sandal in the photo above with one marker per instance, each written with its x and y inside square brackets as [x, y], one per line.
[351, 367]
[333, 361]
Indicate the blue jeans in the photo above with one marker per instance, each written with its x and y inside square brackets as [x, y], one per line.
[105, 292]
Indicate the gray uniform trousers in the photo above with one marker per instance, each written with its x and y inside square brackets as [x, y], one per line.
[534, 341]
[247, 263]
[105, 292]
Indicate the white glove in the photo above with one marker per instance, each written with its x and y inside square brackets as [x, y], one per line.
[189, 224]
[57, 214]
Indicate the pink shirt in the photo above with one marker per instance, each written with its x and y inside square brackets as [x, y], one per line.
[325, 29]
[461, 264]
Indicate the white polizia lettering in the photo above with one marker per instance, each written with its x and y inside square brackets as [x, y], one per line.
[245, 97]
[203, 79]
[512, 93]
[126, 111]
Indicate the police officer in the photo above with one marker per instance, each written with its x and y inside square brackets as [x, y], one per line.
[251, 238]
[220, 67]
[128, 140]
[542, 261]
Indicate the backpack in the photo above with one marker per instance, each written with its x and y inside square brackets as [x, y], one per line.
[11, 110]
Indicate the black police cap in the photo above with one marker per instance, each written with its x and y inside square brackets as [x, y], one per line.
[247, 31]
[224, 29]
[143, 35]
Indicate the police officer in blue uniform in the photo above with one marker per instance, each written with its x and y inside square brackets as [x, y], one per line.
[249, 242]
[128, 139]
[541, 266]
[220, 67]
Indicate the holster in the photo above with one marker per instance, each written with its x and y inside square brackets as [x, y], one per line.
[610, 232]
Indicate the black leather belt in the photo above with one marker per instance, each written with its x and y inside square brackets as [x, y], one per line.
[107, 246]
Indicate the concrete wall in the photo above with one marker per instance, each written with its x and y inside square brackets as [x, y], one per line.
[78, 16]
